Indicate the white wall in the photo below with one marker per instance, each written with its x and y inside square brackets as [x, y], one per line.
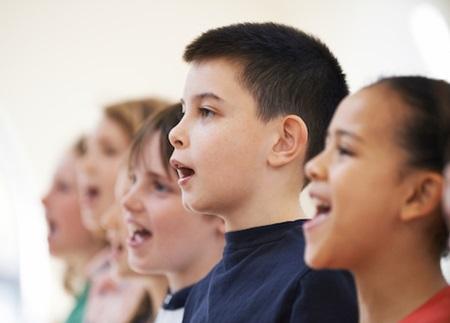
[61, 60]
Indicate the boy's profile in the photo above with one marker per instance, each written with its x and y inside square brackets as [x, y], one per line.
[257, 102]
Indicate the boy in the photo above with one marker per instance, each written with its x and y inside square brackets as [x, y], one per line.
[257, 102]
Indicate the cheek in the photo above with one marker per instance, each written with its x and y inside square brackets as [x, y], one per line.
[69, 210]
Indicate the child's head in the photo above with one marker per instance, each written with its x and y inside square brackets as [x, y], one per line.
[163, 236]
[257, 94]
[67, 236]
[105, 149]
[378, 182]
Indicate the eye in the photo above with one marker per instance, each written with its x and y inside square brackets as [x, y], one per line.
[62, 187]
[343, 151]
[206, 112]
[132, 178]
[161, 187]
[110, 151]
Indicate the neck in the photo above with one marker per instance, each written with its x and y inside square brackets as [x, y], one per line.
[391, 286]
[81, 260]
[267, 209]
[198, 268]
[156, 286]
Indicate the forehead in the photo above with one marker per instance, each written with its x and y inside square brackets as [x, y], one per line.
[374, 112]
[66, 166]
[149, 159]
[221, 77]
[109, 129]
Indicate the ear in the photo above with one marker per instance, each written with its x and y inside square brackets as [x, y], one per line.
[424, 196]
[290, 141]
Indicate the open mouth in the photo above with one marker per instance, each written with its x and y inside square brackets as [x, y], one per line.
[117, 250]
[184, 173]
[51, 227]
[137, 235]
[323, 210]
[91, 194]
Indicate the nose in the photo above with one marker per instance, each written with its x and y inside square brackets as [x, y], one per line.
[87, 163]
[45, 199]
[316, 169]
[177, 136]
[131, 201]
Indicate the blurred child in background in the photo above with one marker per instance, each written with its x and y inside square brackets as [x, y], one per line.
[68, 239]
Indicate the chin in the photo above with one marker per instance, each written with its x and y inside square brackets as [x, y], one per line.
[315, 260]
[192, 206]
[138, 267]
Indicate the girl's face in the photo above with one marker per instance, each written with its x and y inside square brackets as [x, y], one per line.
[357, 183]
[116, 231]
[67, 236]
[106, 148]
[163, 237]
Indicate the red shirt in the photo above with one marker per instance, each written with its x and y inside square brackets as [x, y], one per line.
[435, 310]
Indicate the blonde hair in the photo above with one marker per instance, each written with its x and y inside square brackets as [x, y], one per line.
[130, 115]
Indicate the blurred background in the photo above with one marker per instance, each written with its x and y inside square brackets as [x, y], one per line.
[61, 61]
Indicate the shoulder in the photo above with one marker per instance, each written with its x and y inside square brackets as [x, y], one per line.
[325, 296]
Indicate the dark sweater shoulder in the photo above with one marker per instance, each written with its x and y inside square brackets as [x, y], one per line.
[263, 278]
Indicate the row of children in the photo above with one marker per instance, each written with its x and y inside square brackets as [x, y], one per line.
[206, 202]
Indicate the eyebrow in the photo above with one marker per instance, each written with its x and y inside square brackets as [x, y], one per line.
[346, 133]
[205, 95]
[156, 175]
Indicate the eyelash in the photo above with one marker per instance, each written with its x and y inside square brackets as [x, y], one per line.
[344, 151]
[206, 113]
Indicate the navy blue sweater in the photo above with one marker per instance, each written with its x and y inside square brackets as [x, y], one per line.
[263, 278]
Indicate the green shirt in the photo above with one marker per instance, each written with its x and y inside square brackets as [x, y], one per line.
[77, 313]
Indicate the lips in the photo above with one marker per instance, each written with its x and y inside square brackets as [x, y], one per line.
[184, 172]
[52, 227]
[323, 210]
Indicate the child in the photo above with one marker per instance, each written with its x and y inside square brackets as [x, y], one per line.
[106, 149]
[387, 226]
[139, 296]
[68, 239]
[257, 100]
[164, 238]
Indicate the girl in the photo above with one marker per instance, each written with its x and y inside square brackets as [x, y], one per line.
[164, 238]
[377, 187]
[106, 148]
[68, 239]
[133, 309]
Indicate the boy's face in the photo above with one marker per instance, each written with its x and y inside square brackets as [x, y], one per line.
[220, 143]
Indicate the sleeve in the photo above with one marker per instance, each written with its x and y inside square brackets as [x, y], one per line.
[325, 296]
